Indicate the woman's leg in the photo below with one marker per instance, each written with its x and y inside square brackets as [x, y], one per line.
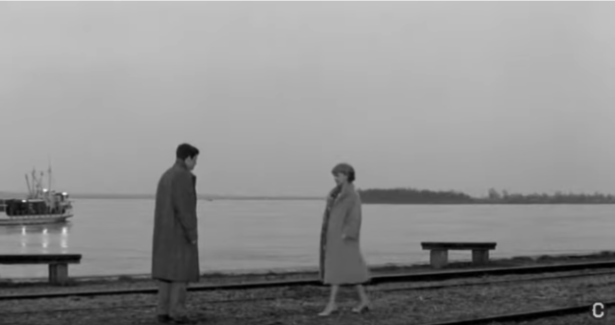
[364, 299]
[331, 306]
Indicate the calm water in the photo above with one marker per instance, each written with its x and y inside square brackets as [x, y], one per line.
[115, 236]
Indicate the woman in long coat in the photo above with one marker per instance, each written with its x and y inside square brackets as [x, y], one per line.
[341, 260]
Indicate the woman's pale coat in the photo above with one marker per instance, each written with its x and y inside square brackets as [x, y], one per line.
[341, 259]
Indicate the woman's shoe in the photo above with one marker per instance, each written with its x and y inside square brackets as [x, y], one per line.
[328, 311]
[183, 320]
[363, 308]
[164, 319]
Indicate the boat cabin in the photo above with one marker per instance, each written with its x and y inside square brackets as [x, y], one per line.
[49, 205]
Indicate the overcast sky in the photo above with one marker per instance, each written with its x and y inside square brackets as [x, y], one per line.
[458, 95]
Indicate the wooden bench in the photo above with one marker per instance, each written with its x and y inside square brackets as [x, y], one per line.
[58, 263]
[439, 251]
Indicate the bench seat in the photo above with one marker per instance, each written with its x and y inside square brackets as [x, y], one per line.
[58, 263]
[439, 251]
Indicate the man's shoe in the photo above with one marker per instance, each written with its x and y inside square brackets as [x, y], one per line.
[165, 319]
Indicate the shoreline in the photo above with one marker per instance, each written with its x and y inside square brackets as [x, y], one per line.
[366, 201]
[246, 275]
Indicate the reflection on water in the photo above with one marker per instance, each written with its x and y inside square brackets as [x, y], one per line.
[64, 240]
[36, 239]
[53, 229]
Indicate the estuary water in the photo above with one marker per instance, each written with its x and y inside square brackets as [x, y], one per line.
[115, 235]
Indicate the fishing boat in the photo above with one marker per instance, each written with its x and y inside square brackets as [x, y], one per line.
[41, 206]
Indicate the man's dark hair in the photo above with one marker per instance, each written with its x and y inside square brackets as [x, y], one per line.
[185, 150]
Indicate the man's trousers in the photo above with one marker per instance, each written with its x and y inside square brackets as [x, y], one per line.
[172, 298]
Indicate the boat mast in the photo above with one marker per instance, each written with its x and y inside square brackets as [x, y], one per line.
[34, 183]
[28, 184]
[40, 184]
[49, 171]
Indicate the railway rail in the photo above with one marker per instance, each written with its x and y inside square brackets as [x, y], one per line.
[381, 279]
[422, 287]
[527, 316]
[470, 284]
[447, 275]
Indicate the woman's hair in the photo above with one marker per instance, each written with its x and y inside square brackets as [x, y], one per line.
[345, 169]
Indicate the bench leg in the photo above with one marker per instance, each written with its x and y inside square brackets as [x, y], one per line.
[58, 273]
[438, 258]
[480, 256]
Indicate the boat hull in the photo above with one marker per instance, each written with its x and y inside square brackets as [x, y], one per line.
[33, 220]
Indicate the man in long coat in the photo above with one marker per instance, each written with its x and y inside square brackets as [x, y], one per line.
[175, 259]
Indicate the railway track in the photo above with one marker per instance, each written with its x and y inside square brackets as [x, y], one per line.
[527, 316]
[478, 283]
[381, 279]
[487, 320]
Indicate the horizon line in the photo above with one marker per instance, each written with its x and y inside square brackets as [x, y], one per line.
[152, 195]
[230, 196]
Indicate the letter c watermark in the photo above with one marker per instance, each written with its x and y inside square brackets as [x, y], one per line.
[598, 310]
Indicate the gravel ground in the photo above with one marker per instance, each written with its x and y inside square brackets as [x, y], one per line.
[394, 304]
[581, 319]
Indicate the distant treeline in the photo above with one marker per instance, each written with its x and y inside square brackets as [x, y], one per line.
[410, 196]
[414, 196]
